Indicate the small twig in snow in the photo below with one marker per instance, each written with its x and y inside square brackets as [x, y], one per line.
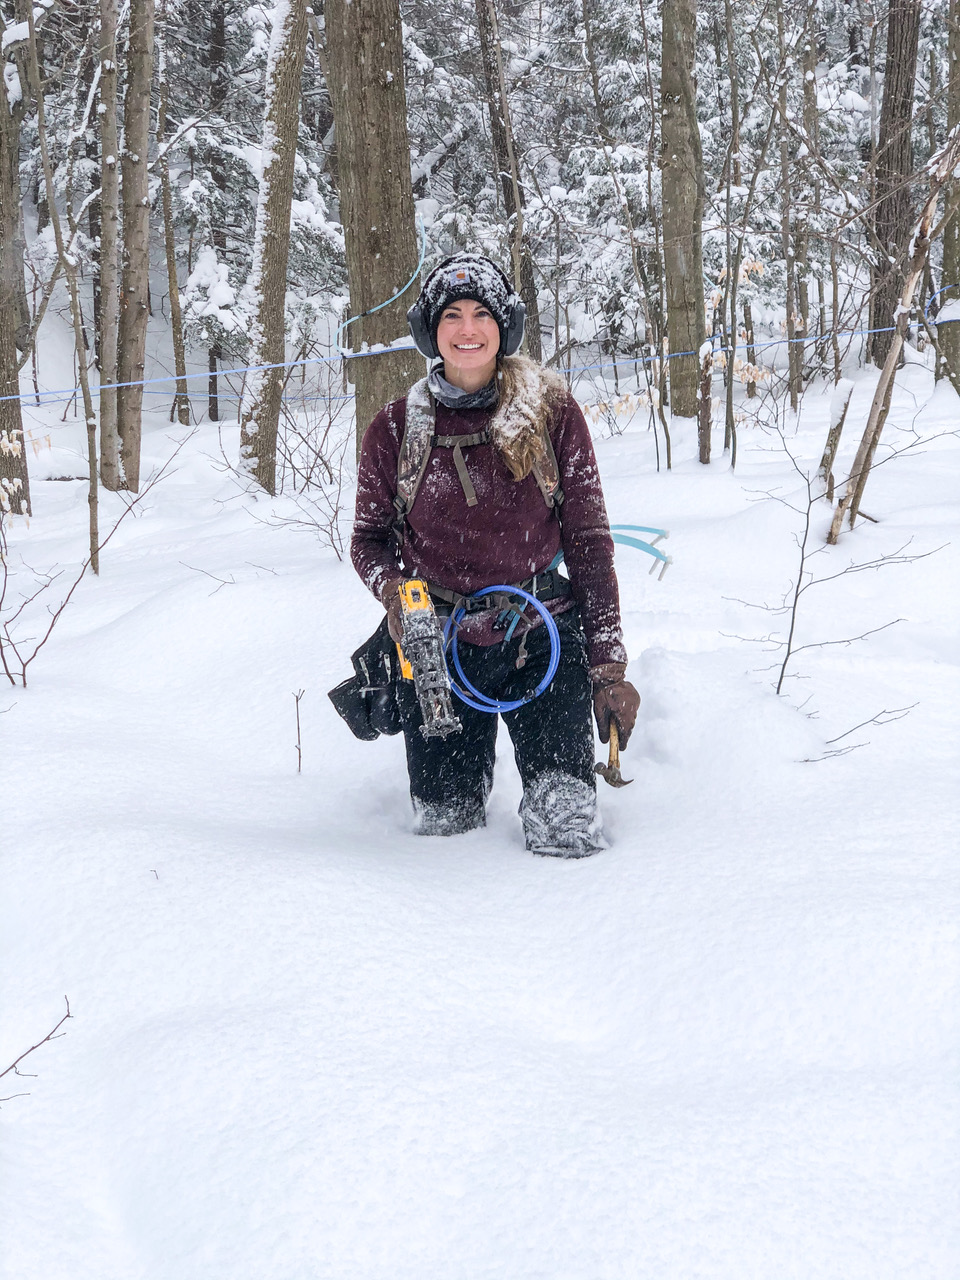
[14, 1066]
[897, 714]
[296, 697]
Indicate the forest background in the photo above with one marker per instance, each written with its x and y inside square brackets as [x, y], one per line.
[241, 179]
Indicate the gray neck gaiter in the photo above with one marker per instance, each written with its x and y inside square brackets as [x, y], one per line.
[455, 397]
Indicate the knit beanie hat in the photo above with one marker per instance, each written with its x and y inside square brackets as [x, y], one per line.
[467, 275]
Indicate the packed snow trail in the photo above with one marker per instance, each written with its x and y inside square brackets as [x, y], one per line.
[307, 1044]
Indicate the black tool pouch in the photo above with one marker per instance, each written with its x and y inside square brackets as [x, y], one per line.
[367, 701]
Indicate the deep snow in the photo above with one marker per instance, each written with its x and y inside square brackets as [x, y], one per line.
[307, 1044]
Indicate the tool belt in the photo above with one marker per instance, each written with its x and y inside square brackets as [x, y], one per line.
[548, 585]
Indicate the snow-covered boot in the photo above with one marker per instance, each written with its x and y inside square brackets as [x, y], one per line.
[560, 818]
[430, 819]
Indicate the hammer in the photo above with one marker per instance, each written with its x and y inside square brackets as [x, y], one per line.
[610, 772]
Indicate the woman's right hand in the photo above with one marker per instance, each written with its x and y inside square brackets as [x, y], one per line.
[390, 599]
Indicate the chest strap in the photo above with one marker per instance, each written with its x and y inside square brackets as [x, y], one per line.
[458, 444]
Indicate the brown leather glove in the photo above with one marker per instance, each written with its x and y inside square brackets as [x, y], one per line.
[614, 699]
[390, 599]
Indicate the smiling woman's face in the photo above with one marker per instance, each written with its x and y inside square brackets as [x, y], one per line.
[468, 339]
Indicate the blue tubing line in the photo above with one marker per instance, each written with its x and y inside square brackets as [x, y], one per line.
[67, 393]
[491, 705]
[626, 541]
[641, 528]
[350, 355]
[934, 296]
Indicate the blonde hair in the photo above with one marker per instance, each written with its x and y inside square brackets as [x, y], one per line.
[528, 395]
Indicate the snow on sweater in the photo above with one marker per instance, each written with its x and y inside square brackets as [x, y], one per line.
[507, 537]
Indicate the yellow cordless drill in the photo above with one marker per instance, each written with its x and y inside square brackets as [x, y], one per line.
[422, 660]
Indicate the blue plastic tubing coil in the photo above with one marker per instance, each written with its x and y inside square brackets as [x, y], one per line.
[480, 701]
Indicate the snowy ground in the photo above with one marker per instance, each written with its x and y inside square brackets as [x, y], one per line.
[309, 1045]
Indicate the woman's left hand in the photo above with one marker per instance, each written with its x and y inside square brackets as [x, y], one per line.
[614, 698]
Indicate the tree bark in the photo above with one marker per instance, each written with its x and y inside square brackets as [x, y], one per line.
[109, 228]
[181, 400]
[683, 195]
[941, 168]
[14, 477]
[365, 49]
[135, 277]
[948, 335]
[507, 170]
[216, 57]
[69, 266]
[892, 220]
[794, 348]
[260, 416]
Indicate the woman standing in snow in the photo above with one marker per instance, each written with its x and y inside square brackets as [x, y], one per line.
[502, 485]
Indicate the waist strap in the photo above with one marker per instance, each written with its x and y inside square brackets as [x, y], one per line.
[548, 585]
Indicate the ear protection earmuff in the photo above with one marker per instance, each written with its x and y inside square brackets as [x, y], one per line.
[511, 333]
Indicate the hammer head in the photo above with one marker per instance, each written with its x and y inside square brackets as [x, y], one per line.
[610, 772]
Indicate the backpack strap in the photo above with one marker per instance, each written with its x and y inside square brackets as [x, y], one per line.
[414, 452]
[546, 472]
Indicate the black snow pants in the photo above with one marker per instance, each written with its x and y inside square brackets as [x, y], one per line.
[552, 736]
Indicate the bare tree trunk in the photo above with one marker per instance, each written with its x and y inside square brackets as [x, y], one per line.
[69, 265]
[811, 128]
[892, 221]
[109, 227]
[14, 477]
[735, 176]
[135, 278]
[683, 195]
[948, 335]
[941, 168]
[216, 56]
[182, 400]
[260, 416]
[705, 408]
[794, 349]
[507, 169]
[364, 45]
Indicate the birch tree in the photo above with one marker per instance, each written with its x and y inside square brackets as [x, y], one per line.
[367, 90]
[260, 414]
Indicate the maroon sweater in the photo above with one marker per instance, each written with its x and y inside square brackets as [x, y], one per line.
[507, 537]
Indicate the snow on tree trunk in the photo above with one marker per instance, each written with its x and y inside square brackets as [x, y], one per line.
[109, 226]
[182, 400]
[260, 414]
[366, 81]
[682, 168]
[135, 278]
[14, 478]
[893, 221]
[794, 348]
[948, 334]
[941, 168]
